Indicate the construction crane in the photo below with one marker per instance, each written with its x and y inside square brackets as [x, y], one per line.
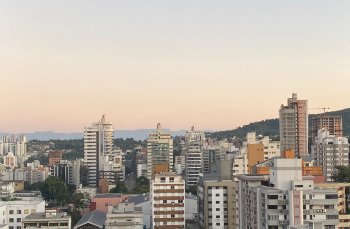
[321, 108]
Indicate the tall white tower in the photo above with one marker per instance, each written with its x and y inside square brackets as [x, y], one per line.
[98, 142]
[194, 155]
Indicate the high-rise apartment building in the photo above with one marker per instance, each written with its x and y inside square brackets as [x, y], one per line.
[98, 142]
[69, 171]
[293, 123]
[333, 123]
[10, 160]
[159, 150]
[194, 154]
[330, 151]
[14, 144]
[284, 198]
[217, 198]
[167, 201]
[55, 156]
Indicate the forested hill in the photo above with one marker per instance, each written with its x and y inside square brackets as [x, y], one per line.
[270, 127]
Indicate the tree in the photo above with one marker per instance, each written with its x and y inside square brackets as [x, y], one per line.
[119, 187]
[55, 189]
[78, 203]
[142, 180]
[343, 175]
[192, 189]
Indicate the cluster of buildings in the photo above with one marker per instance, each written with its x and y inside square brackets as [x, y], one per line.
[256, 183]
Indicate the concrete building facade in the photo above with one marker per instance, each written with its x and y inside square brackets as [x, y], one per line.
[124, 216]
[159, 150]
[98, 142]
[284, 198]
[330, 151]
[217, 198]
[167, 194]
[333, 123]
[293, 121]
[194, 154]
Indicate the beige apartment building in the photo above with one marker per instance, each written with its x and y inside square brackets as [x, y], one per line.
[293, 121]
[167, 201]
[159, 150]
[124, 216]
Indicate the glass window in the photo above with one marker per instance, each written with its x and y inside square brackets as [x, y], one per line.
[19, 212]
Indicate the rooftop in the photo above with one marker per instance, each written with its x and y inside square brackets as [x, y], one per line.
[43, 215]
[96, 218]
[109, 195]
[20, 202]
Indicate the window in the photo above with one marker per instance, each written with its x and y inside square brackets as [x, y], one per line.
[164, 201]
[172, 216]
[217, 224]
[11, 212]
[218, 216]
[26, 211]
[19, 220]
[11, 220]
[18, 227]
[19, 212]
[218, 209]
[181, 201]
[217, 194]
[172, 187]
[53, 224]
[33, 211]
[63, 224]
[171, 179]
[10, 227]
[217, 202]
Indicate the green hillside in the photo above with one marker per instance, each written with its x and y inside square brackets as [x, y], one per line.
[270, 127]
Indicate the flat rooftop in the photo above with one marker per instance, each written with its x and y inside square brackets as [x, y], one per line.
[43, 215]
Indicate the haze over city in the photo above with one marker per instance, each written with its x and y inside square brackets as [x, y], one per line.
[213, 64]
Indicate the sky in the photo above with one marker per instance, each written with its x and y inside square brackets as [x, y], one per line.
[213, 64]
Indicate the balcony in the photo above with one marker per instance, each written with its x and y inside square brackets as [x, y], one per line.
[283, 222]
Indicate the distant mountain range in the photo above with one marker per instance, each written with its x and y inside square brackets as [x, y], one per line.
[141, 134]
[270, 127]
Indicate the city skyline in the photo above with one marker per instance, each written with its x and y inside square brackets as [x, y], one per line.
[213, 65]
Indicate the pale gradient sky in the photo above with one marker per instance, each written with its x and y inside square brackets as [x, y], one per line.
[213, 64]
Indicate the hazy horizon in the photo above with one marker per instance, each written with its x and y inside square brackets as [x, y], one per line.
[215, 65]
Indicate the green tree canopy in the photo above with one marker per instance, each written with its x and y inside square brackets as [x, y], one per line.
[55, 189]
[342, 174]
[142, 180]
[192, 189]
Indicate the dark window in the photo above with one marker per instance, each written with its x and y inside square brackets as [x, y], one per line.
[19, 220]
[11, 220]
[330, 196]
[218, 209]
[218, 216]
